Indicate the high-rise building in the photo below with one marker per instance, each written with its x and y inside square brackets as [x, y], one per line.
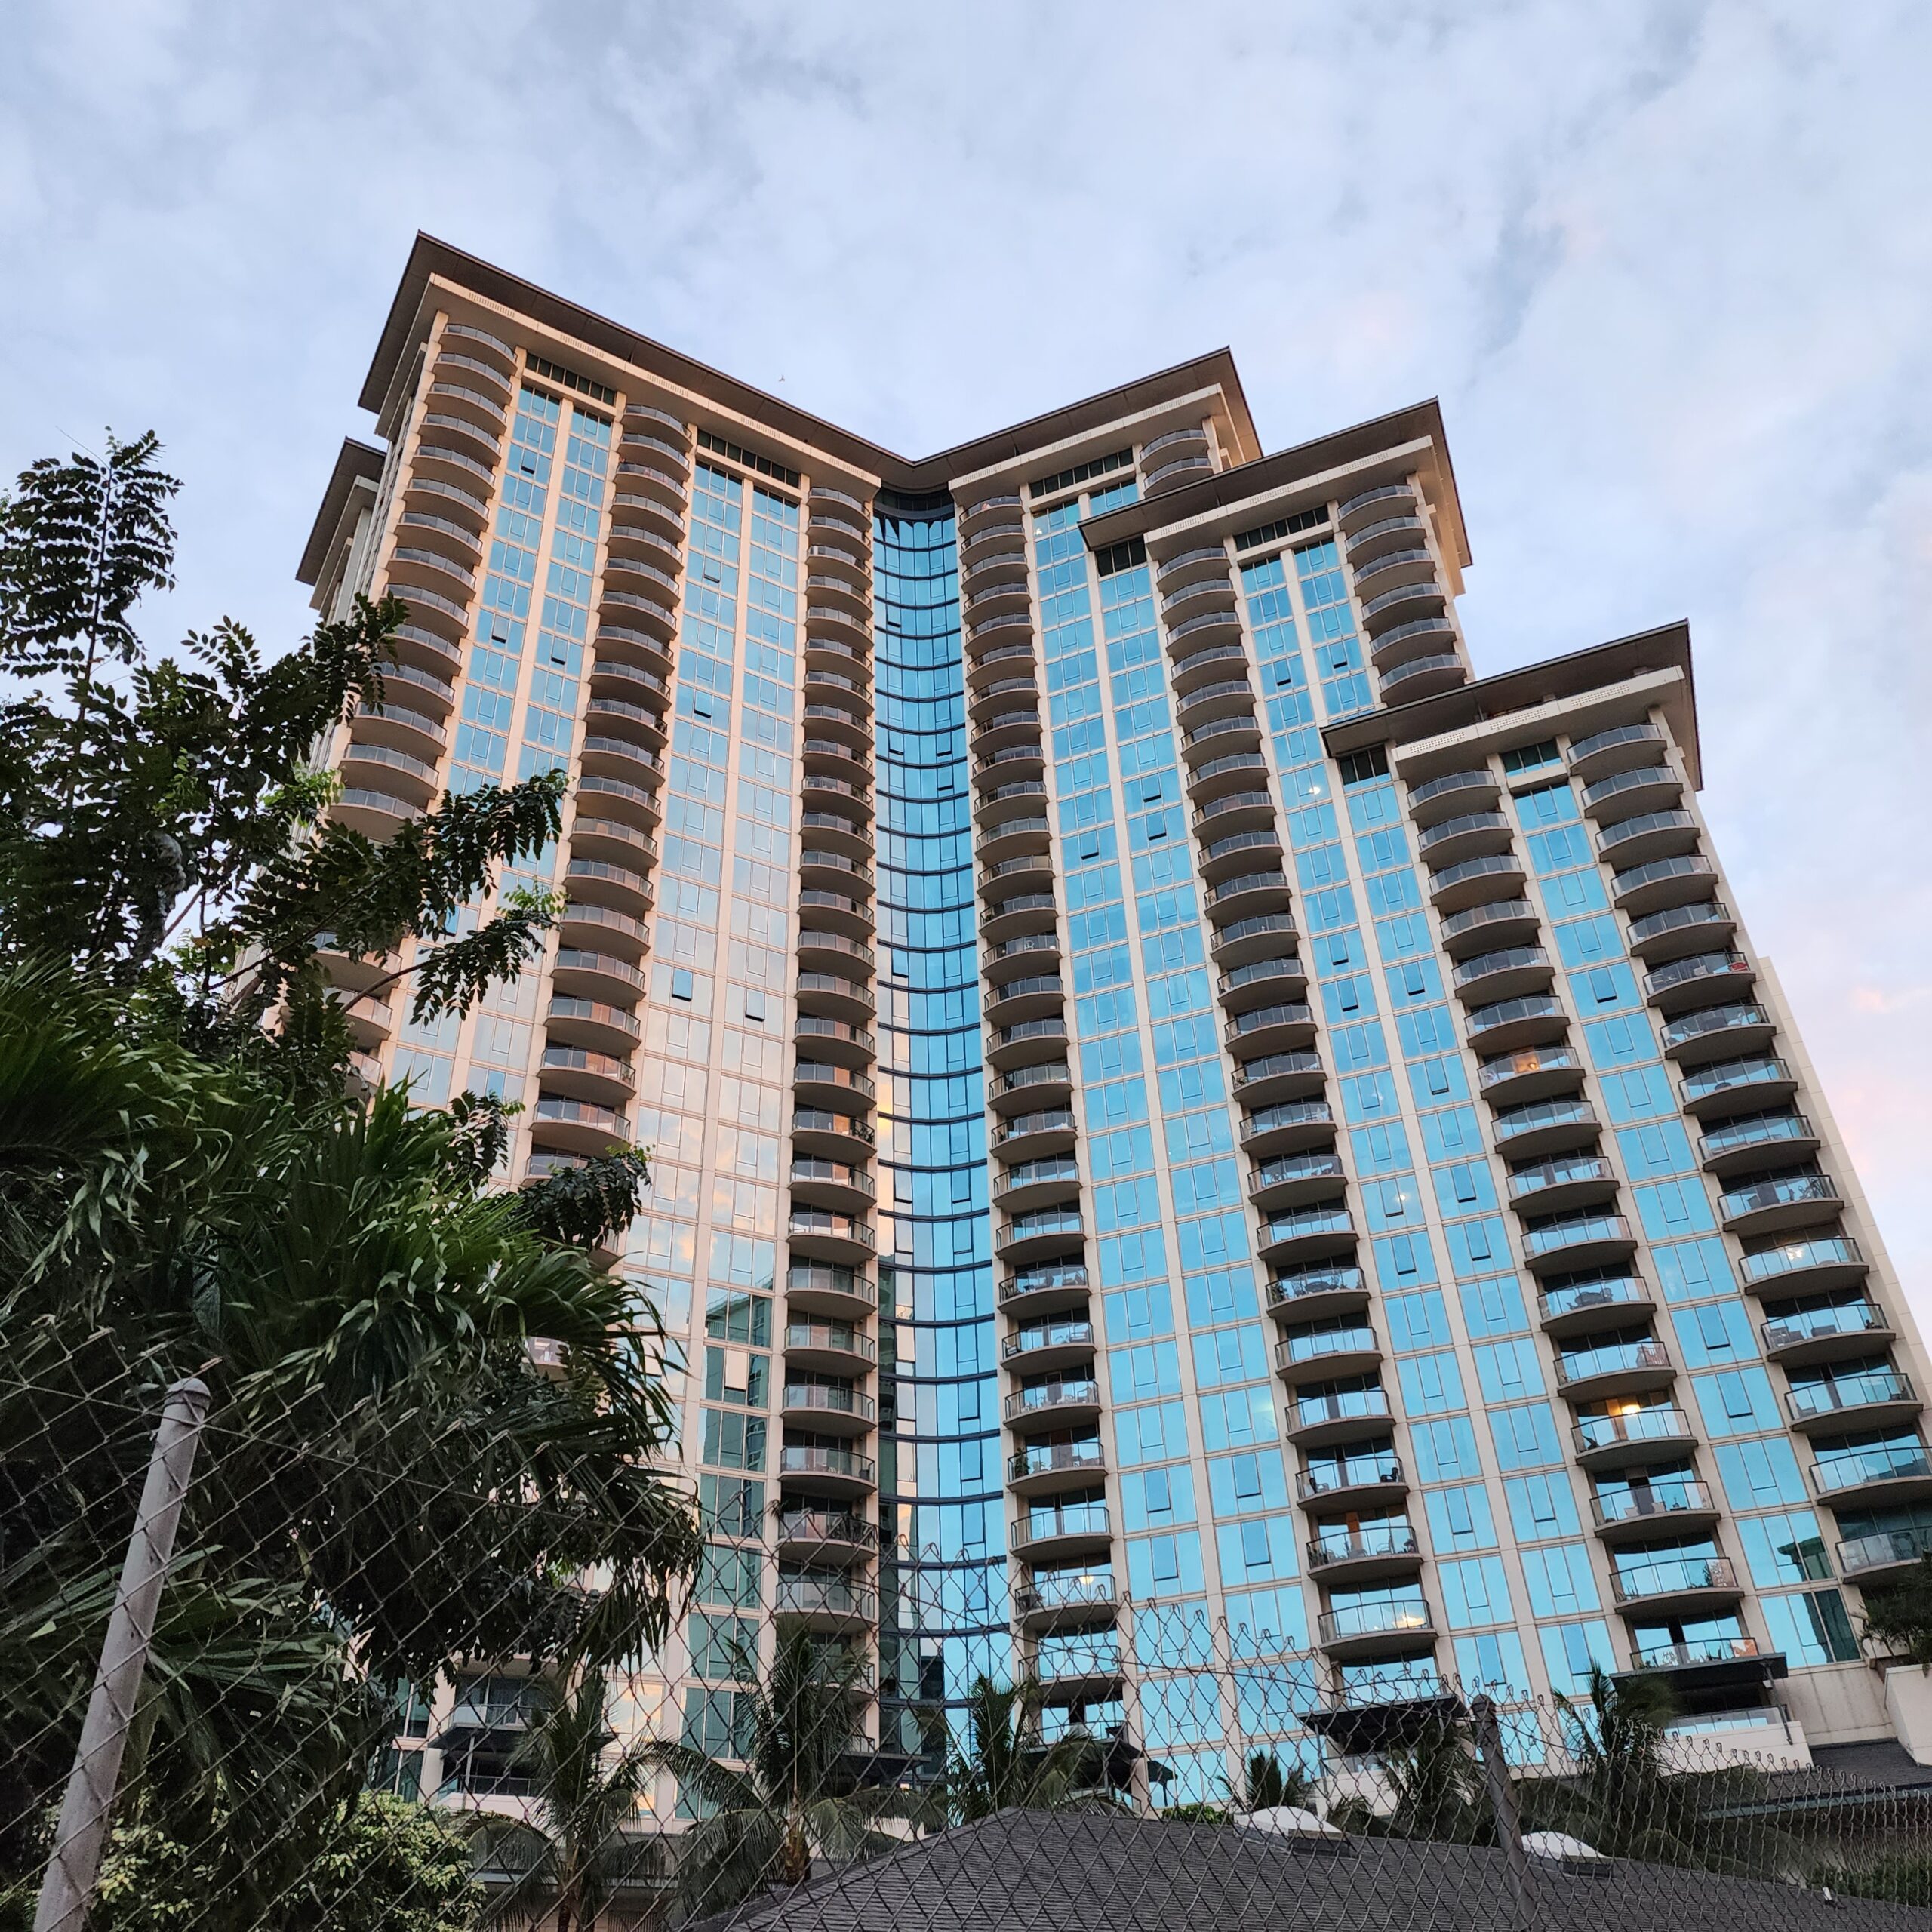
[1190, 1130]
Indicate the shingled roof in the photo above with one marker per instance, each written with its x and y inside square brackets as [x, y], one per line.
[1099, 1871]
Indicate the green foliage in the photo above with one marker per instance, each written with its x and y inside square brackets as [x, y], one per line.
[1003, 1766]
[1268, 1785]
[1905, 1878]
[1899, 1616]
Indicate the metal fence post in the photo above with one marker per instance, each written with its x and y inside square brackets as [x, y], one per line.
[1503, 1802]
[82, 1830]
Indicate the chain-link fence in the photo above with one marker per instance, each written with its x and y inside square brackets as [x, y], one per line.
[343, 1694]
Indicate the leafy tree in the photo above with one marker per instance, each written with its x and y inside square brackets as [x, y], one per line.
[1899, 1616]
[1268, 1785]
[792, 1797]
[1003, 1766]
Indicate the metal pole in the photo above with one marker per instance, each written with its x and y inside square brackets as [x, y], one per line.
[82, 1830]
[1502, 1802]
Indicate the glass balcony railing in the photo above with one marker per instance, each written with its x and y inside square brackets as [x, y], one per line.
[1370, 1539]
[1758, 1131]
[1878, 1462]
[1405, 1616]
[1616, 1358]
[1672, 1577]
[1871, 1389]
[1884, 1549]
[1076, 1519]
[1787, 1190]
[1796, 1257]
[1650, 1502]
[1576, 1230]
[1341, 1405]
[1811, 1325]
[1295, 1349]
[1334, 1474]
[1705, 1650]
[1579, 1297]
[1634, 1426]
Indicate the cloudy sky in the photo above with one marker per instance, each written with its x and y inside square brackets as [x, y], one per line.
[1665, 264]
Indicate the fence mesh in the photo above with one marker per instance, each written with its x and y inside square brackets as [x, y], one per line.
[375, 1698]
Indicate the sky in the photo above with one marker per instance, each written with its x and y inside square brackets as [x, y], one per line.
[1665, 264]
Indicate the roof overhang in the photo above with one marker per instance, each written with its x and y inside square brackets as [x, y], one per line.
[359, 468]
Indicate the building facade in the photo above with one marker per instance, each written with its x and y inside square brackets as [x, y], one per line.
[1203, 1154]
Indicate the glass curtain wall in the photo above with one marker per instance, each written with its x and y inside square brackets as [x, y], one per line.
[943, 1614]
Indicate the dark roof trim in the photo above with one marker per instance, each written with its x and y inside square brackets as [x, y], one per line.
[1601, 667]
[1419, 422]
[356, 463]
[430, 257]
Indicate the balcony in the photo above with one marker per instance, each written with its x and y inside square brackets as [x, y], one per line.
[1055, 1178]
[1675, 1586]
[1295, 1179]
[1453, 793]
[1663, 883]
[1020, 913]
[1633, 1436]
[1395, 567]
[1493, 924]
[822, 1083]
[1245, 940]
[1868, 1477]
[1428, 640]
[1179, 470]
[1401, 532]
[400, 772]
[821, 1183]
[1825, 1334]
[597, 976]
[604, 797]
[1267, 1029]
[1042, 1535]
[841, 1292]
[1681, 929]
[1304, 1294]
[1647, 837]
[1042, 1466]
[1545, 1127]
[1210, 626]
[835, 952]
[1511, 973]
[1582, 1307]
[1358, 1629]
[1337, 1415]
[1261, 979]
[1306, 1233]
[1642, 788]
[1869, 1398]
[842, 912]
[1582, 1180]
[626, 891]
[1885, 1556]
[1744, 1144]
[584, 1074]
[1231, 790]
[1577, 1241]
[1010, 837]
[1023, 1137]
[1372, 1550]
[825, 1603]
[1278, 1077]
[1325, 1352]
[1055, 1603]
[1622, 748]
[1457, 887]
[1035, 1291]
[1695, 980]
[1616, 1368]
[1052, 1403]
[1050, 1344]
[824, 1537]
[830, 1133]
[1333, 1482]
[582, 1126]
[1421, 677]
[1805, 1266]
[1027, 1042]
[1048, 1231]
[1729, 1085]
[1206, 560]
[837, 1347]
[827, 1408]
[1536, 1020]
[1668, 1505]
[1473, 835]
[1249, 895]
[1237, 852]
[837, 1471]
[838, 1238]
[1034, 952]
[1775, 1201]
[1289, 1127]
[1718, 1033]
[1229, 697]
[1371, 506]
[841, 1042]
[609, 1030]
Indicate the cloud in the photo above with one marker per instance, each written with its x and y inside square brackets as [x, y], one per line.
[1665, 262]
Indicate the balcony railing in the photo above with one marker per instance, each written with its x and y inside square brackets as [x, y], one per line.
[1884, 1549]
[1371, 1539]
[1663, 1499]
[1796, 1257]
[1632, 1426]
[1671, 1577]
[1883, 1461]
[1834, 1394]
[1345, 1472]
[1618, 1358]
[1402, 1617]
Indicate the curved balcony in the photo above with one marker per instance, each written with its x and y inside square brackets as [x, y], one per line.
[1027, 1042]
[1074, 1399]
[1622, 748]
[823, 1132]
[843, 1293]
[440, 496]
[827, 1408]
[1031, 1089]
[455, 459]
[1020, 913]
[597, 976]
[1040, 1468]
[1608, 1301]
[1775, 1201]
[1634, 1436]
[1017, 726]
[1865, 1398]
[1885, 1556]
[1614, 1368]
[1678, 930]
[1306, 1234]
[1454, 795]
[611, 1030]
[834, 996]
[1577, 1241]
[635, 513]
[1545, 1127]
[823, 1083]
[603, 929]
[1557, 1186]
[836, 1040]
[1216, 659]
[1663, 1505]
[1804, 1265]
[1645, 789]
[1251, 896]
[1229, 697]
[1731, 1086]
[1241, 775]
[827, 952]
[1034, 997]
[1049, 1344]
[1029, 1137]
[401, 774]
[1317, 1354]
[1242, 941]
[1054, 1181]
[395, 724]
[1174, 473]
[1191, 437]
[1469, 835]
[1238, 731]
[1718, 1033]
[581, 1127]
[1029, 1293]
[1024, 795]
[1675, 1587]
[1239, 851]
[824, 1536]
[1663, 883]
[1874, 1475]
[833, 757]
[1078, 1529]
[1265, 1030]
[1395, 532]
[1193, 600]
[1204, 560]
[1492, 925]
[602, 797]
[1534, 1020]
[1293, 1076]
[1323, 1291]
[821, 790]
[369, 1021]
[1429, 640]
[1042, 1232]
[1529, 1074]
[1331, 1481]
[816, 1182]
[1294, 1179]
[1288, 1128]
[1384, 500]
[1809, 1336]
[583, 1073]
[599, 881]
[825, 870]
[624, 644]
[607, 841]
[1028, 836]
[1387, 1548]
[818, 1235]
[1698, 980]
[1473, 881]
[1054, 1603]
[835, 1348]
[1394, 567]
[1422, 677]
[1364, 1629]
[834, 1471]
[1336, 1415]
[652, 483]
[1029, 872]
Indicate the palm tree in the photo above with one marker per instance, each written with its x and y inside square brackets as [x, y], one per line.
[1438, 1788]
[1003, 1766]
[790, 1796]
[570, 1854]
[1268, 1785]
